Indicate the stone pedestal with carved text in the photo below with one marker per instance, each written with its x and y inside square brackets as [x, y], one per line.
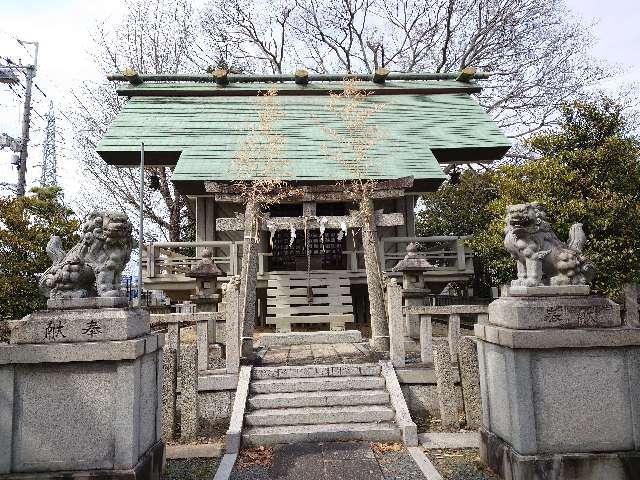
[81, 396]
[560, 383]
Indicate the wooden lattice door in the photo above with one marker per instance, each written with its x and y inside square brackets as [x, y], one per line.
[325, 255]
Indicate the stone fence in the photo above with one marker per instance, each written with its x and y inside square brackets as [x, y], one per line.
[402, 321]
[211, 364]
[631, 314]
[452, 359]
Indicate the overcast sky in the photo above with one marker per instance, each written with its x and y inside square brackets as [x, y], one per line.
[62, 27]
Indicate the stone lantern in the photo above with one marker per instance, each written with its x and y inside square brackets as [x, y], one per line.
[206, 273]
[414, 291]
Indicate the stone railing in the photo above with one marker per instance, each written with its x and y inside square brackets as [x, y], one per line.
[194, 361]
[400, 319]
[452, 313]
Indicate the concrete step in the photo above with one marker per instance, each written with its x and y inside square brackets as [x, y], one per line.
[328, 432]
[282, 385]
[307, 371]
[318, 415]
[307, 338]
[319, 399]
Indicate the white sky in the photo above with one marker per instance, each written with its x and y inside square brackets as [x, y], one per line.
[62, 27]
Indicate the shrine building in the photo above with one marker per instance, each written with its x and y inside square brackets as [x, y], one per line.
[195, 125]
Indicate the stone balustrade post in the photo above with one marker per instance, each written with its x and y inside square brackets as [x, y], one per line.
[426, 339]
[631, 316]
[170, 380]
[454, 336]
[233, 325]
[396, 324]
[445, 383]
[202, 340]
[189, 393]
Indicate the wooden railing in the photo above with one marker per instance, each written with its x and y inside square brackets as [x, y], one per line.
[444, 253]
[170, 261]
[175, 259]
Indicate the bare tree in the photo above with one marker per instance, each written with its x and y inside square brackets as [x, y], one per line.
[261, 168]
[245, 34]
[537, 50]
[155, 36]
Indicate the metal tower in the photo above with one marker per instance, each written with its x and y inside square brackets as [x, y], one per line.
[49, 174]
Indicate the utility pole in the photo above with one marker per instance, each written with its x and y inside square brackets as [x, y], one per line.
[141, 227]
[30, 73]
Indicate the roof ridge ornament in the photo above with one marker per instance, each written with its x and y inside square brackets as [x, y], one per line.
[222, 77]
[132, 76]
[466, 74]
[302, 77]
[380, 75]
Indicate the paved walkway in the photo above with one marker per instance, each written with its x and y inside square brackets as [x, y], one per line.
[329, 461]
[328, 353]
[333, 461]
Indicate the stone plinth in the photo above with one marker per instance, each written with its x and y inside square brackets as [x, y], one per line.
[81, 325]
[80, 396]
[560, 393]
[535, 312]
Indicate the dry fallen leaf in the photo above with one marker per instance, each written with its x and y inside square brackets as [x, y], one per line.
[383, 447]
[255, 456]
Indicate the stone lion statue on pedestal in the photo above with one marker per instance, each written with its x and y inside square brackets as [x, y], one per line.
[93, 267]
[542, 259]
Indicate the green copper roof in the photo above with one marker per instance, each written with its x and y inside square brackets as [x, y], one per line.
[200, 135]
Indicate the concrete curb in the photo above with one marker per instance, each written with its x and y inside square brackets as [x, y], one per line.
[226, 466]
[403, 417]
[432, 440]
[234, 433]
[199, 450]
[424, 464]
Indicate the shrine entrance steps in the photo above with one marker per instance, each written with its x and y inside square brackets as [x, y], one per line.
[320, 403]
[318, 353]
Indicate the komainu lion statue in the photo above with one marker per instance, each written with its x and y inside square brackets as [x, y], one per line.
[93, 267]
[542, 259]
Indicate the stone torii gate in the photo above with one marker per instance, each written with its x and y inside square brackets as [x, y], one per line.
[309, 197]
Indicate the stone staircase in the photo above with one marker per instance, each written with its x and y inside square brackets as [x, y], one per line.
[315, 403]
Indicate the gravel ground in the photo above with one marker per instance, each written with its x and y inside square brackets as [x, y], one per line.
[398, 466]
[191, 469]
[205, 468]
[461, 464]
[252, 472]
